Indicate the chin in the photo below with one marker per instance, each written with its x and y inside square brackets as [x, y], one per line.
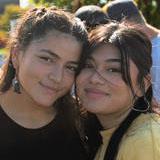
[45, 103]
[92, 109]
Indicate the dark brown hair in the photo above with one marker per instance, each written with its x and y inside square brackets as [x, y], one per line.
[132, 45]
[35, 24]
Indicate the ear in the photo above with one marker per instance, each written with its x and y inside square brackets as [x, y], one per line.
[14, 57]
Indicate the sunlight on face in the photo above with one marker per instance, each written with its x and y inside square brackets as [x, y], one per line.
[47, 68]
[100, 85]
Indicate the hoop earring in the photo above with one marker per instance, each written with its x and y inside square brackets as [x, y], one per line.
[16, 85]
[142, 110]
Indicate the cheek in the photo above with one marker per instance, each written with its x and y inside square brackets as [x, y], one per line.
[125, 96]
[30, 71]
[25, 72]
[79, 81]
[82, 78]
[68, 81]
[80, 84]
[122, 92]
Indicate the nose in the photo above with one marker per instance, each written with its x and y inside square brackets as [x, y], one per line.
[56, 74]
[96, 78]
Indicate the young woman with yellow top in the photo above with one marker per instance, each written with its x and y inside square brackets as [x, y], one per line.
[115, 86]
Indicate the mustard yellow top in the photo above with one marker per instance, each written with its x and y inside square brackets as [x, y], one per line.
[141, 141]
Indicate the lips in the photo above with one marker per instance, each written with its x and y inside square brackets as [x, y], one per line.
[95, 93]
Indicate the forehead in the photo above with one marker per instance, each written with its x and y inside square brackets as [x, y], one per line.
[64, 45]
[105, 52]
[109, 53]
[54, 34]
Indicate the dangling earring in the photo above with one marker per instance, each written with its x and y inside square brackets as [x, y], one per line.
[82, 110]
[141, 101]
[16, 85]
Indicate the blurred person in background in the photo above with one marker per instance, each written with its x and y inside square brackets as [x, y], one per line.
[92, 16]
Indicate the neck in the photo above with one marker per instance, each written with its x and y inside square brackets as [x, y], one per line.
[150, 31]
[146, 28]
[113, 120]
[25, 111]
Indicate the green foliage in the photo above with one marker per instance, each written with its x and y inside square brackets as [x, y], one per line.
[71, 5]
[3, 39]
[151, 11]
[41, 2]
[11, 12]
[88, 2]
[63, 4]
[58, 3]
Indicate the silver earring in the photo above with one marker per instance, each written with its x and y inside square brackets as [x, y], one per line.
[143, 110]
[16, 85]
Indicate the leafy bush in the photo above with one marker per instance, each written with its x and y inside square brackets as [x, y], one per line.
[10, 12]
[70, 5]
[3, 39]
[151, 11]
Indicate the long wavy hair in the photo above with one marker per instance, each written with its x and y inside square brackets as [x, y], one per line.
[133, 45]
[35, 24]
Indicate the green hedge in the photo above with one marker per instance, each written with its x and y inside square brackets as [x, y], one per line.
[151, 11]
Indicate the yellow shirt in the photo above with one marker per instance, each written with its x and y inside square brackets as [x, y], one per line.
[141, 141]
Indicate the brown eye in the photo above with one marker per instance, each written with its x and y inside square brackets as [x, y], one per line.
[72, 68]
[47, 59]
[88, 65]
[113, 70]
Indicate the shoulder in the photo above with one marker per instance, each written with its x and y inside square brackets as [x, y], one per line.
[145, 124]
[156, 39]
[142, 141]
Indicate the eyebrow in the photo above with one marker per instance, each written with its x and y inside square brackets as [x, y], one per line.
[50, 53]
[107, 60]
[113, 60]
[56, 56]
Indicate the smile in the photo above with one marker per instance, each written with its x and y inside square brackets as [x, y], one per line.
[95, 93]
[49, 89]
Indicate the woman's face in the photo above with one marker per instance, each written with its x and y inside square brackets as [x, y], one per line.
[100, 86]
[46, 70]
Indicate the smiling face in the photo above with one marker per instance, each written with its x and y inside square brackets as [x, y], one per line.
[46, 70]
[100, 86]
